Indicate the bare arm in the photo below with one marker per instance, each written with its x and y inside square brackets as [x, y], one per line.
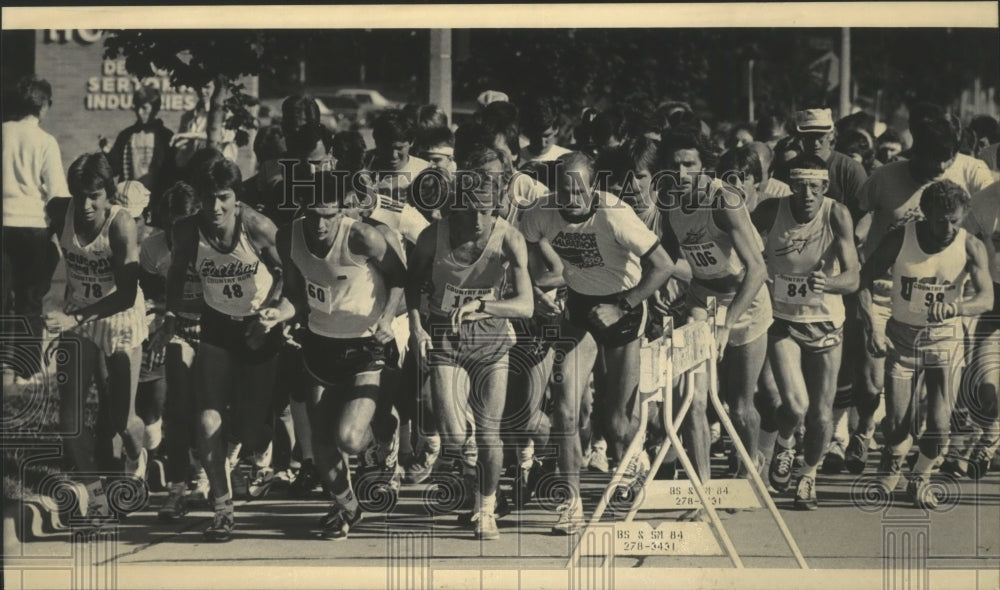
[850, 269]
[979, 274]
[736, 222]
[418, 274]
[369, 242]
[293, 301]
[182, 256]
[657, 269]
[522, 304]
[545, 265]
[262, 232]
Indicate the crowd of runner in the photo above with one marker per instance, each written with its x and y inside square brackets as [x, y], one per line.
[473, 300]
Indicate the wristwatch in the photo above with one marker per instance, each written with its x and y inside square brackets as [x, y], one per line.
[482, 306]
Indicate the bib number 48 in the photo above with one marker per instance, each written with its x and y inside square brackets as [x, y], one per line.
[232, 291]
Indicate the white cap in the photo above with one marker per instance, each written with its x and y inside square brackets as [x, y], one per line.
[814, 121]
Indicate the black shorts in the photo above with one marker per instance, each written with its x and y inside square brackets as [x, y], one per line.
[332, 361]
[536, 336]
[993, 316]
[625, 330]
[229, 334]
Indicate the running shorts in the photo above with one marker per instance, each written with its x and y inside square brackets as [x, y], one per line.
[120, 332]
[229, 333]
[630, 327]
[751, 326]
[816, 336]
[915, 347]
[478, 343]
[332, 361]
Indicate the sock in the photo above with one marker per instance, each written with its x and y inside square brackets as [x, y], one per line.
[224, 502]
[841, 431]
[924, 466]
[434, 444]
[477, 503]
[807, 471]
[178, 488]
[154, 435]
[470, 452]
[234, 453]
[786, 442]
[263, 460]
[488, 503]
[348, 500]
[528, 454]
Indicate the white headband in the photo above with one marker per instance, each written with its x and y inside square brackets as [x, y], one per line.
[441, 151]
[808, 174]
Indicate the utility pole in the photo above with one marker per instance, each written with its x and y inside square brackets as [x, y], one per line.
[750, 106]
[440, 78]
[845, 72]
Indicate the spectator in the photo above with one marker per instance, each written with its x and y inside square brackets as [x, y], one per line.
[856, 144]
[740, 135]
[142, 151]
[32, 175]
[890, 145]
[540, 123]
[816, 134]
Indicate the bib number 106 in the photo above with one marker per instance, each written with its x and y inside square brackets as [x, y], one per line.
[460, 300]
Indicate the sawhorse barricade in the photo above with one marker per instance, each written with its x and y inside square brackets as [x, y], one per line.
[687, 352]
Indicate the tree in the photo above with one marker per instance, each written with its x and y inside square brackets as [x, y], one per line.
[196, 58]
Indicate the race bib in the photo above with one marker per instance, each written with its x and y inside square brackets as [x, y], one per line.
[320, 297]
[794, 290]
[706, 260]
[90, 288]
[455, 297]
[926, 294]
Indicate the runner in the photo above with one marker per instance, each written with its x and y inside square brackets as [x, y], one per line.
[816, 134]
[392, 164]
[179, 201]
[811, 262]
[462, 262]
[104, 318]
[724, 251]
[930, 260]
[980, 400]
[343, 276]
[232, 248]
[604, 248]
[891, 197]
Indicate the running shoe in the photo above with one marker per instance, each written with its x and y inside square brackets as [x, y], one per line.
[599, 457]
[718, 448]
[982, 457]
[805, 494]
[833, 461]
[200, 487]
[526, 480]
[857, 454]
[780, 473]
[136, 468]
[175, 505]
[338, 522]
[421, 467]
[306, 480]
[570, 519]
[919, 490]
[261, 482]
[890, 470]
[485, 526]
[221, 529]
[156, 472]
[637, 471]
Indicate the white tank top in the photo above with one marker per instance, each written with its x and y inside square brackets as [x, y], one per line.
[346, 294]
[234, 283]
[708, 249]
[793, 251]
[920, 279]
[89, 273]
[455, 283]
